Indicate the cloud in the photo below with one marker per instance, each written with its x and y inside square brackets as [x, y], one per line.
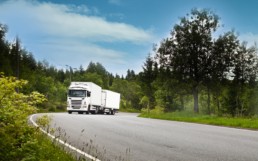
[65, 21]
[70, 34]
[82, 54]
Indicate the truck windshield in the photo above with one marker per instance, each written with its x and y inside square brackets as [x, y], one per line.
[77, 93]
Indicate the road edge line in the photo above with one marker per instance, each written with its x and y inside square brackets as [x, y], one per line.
[62, 142]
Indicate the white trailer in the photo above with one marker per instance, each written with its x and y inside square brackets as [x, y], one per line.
[87, 97]
[95, 94]
[110, 101]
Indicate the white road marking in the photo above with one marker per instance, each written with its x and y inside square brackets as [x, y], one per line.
[62, 142]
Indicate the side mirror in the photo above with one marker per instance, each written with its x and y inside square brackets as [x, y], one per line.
[88, 94]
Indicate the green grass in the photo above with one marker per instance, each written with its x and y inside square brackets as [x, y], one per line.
[49, 150]
[237, 122]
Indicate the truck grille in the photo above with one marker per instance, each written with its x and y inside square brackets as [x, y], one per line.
[76, 104]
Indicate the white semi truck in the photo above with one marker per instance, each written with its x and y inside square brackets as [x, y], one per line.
[87, 97]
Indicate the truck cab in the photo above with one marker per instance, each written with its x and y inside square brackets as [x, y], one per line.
[78, 98]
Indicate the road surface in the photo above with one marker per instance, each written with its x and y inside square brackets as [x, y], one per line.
[127, 137]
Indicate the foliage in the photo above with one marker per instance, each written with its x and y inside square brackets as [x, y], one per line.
[18, 140]
[130, 93]
[187, 52]
[44, 122]
[193, 60]
[147, 77]
[145, 101]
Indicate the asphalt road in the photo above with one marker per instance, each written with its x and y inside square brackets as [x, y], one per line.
[127, 137]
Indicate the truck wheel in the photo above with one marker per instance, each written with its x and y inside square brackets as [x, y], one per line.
[69, 112]
[89, 111]
[113, 112]
[97, 110]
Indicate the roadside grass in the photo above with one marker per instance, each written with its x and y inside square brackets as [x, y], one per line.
[129, 110]
[49, 150]
[236, 122]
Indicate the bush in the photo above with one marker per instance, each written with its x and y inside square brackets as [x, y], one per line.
[18, 140]
[157, 110]
[15, 107]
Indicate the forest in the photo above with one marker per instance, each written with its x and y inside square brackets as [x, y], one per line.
[191, 70]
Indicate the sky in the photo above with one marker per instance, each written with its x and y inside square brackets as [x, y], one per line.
[119, 34]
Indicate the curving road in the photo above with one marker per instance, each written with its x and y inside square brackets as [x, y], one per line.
[127, 137]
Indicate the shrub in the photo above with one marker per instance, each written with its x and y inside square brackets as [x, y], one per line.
[18, 140]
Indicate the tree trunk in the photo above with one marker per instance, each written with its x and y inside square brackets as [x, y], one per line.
[195, 95]
[218, 105]
[209, 101]
[182, 102]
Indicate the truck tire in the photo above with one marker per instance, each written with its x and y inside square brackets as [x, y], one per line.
[69, 112]
[89, 111]
[97, 110]
[113, 112]
[109, 112]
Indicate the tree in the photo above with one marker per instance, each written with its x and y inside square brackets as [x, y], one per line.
[96, 68]
[187, 51]
[222, 57]
[16, 136]
[244, 71]
[93, 77]
[147, 77]
[81, 70]
[130, 75]
[220, 66]
[130, 93]
[3, 30]
[5, 64]
[15, 57]
[99, 69]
